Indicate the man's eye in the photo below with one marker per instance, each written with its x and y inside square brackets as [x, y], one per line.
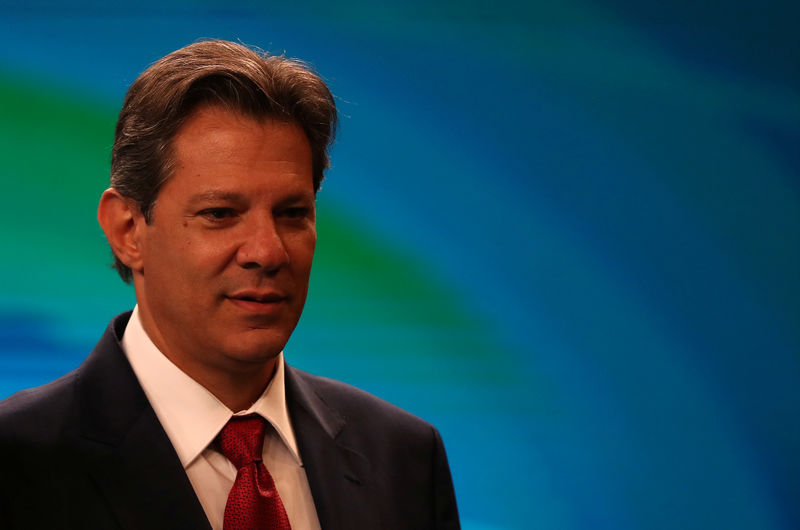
[217, 214]
[296, 212]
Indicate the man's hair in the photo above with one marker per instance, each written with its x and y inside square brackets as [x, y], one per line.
[211, 72]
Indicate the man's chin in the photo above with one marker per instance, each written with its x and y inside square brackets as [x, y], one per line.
[257, 347]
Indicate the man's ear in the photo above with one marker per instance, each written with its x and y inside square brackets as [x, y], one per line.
[122, 222]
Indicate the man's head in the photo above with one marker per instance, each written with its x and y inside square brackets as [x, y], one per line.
[219, 72]
[218, 156]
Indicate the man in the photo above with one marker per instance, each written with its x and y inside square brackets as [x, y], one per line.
[185, 415]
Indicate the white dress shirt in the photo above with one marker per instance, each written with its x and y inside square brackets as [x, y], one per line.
[192, 417]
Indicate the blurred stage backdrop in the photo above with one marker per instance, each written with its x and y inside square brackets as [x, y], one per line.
[568, 235]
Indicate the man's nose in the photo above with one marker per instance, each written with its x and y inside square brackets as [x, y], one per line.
[262, 246]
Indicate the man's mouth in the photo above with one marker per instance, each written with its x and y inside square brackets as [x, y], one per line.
[257, 301]
[264, 298]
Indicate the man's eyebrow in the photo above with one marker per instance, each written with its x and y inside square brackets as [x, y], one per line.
[216, 195]
[300, 196]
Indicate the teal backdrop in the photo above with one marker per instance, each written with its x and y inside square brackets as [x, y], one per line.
[566, 233]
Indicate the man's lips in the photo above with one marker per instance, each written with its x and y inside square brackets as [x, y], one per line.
[254, 295]
[258, 301]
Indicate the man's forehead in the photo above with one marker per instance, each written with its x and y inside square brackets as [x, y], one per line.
[217, 130]
[216, 116]
[238, 197]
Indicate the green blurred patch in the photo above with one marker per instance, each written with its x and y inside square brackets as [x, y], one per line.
[55, 157]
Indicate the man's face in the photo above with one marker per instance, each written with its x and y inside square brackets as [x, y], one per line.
[227, 255]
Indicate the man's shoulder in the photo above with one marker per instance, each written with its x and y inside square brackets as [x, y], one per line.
[48, 412]
[37, 412]
[357, 406]
[48, 409]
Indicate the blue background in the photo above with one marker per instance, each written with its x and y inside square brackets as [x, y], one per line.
[565, 233]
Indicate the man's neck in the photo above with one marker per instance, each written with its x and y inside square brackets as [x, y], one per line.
[236, 383]
[237, 390]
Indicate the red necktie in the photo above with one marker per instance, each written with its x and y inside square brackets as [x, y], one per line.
[253, 502]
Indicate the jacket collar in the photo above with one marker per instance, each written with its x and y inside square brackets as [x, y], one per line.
[339, 475]
[124, 447]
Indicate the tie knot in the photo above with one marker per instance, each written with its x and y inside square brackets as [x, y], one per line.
[242, 439]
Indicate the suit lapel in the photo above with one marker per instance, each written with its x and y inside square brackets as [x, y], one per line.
[339, 476]
[124, 447]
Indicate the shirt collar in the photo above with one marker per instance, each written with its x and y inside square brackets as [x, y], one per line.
[190, 414]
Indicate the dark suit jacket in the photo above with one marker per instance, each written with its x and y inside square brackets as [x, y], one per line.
[87, 451]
